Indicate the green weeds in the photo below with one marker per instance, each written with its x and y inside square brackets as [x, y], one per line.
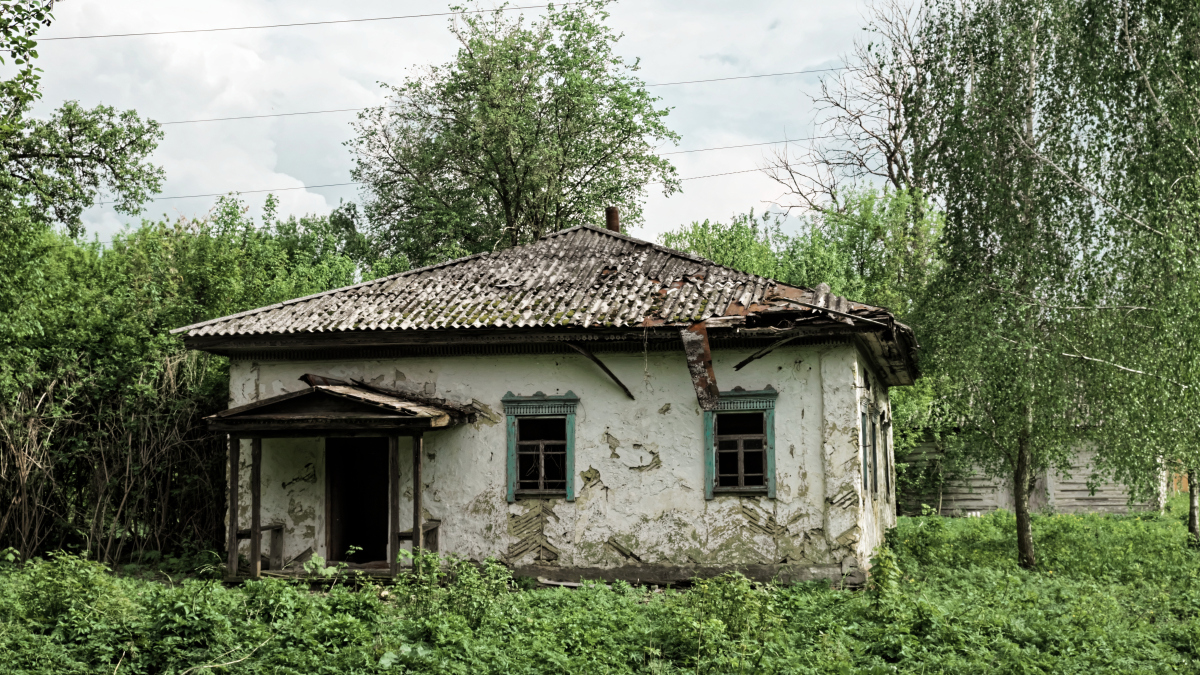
[1115, 594]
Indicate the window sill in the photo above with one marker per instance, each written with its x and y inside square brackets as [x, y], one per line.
[541, 494]
[746, 492]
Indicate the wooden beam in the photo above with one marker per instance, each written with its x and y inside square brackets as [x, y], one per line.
[234, 451]
[418, 448]
[310, 426]
[393, 548]
[598, 362]
[764, 351]
[329, 555]
[275, 548]
[699, 361]
[255, 508]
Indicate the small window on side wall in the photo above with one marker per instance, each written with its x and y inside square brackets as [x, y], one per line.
[740, 443]
[541, 454]
[541, 445]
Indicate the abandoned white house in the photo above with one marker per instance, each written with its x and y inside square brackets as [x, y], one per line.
[585, 406]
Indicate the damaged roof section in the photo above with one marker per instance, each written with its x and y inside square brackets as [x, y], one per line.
[335, 406]
[581, 279]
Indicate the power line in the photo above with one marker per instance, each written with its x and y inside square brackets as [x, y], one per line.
[327, 185]
[367, 108]
[749, 77]
[747, 145]
[288, 25]
[255, 117]
[244, 192]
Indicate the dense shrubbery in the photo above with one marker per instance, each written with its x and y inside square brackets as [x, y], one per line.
[102, 444]
[1115, 594]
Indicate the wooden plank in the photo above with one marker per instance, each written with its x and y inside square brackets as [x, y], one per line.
[769, 421]
[234, 452]
[328, 503]
[429, 531]
[319, 422]
[598, 362]
[269, 527]
[418, 447]
[571, 457]
[287, 431]
[710, 452]
[255, 508]
[764, 351]
[699, 360]
[510, 424]
[276, 549]
[393, 505]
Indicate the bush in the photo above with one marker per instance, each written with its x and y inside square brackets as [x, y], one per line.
[1114, 594]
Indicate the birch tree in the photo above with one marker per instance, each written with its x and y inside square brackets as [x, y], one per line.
[1004, 315]
[1142, 60]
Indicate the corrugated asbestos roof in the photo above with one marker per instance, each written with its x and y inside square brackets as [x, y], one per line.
[576, 278]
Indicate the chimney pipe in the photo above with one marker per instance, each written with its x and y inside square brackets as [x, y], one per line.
[612, 219]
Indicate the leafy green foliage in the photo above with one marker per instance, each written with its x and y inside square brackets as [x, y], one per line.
[101, 409]
[1116, 594]
[1025, 245]
[532, 128]
[880, 248]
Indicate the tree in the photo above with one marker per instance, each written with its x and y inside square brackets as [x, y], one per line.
[103, 446]
[868, 126]
[51, 170]
[532, 128]
[1029, 270]
[1143, 67]
[879, 247]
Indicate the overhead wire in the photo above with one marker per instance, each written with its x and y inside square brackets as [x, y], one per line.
[395, 18]
[337, 110]
[288, 25]
[328, 185]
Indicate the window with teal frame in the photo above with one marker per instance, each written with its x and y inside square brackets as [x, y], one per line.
[739, 444]
[541, 445]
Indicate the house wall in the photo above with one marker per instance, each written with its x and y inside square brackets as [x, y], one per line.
[640, 506]
[879, 505]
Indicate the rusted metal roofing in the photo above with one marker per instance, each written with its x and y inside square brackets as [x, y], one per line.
[576, 278]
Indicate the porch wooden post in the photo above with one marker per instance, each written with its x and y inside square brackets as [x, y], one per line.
[255, 508]
[235, 449]
[393, 547]
[418, 540]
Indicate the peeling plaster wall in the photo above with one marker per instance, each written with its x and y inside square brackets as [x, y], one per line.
[639, 464]
[877, 511]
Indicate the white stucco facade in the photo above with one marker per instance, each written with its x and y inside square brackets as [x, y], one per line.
[639, 464]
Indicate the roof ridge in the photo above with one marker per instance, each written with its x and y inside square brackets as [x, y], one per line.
[663, 249]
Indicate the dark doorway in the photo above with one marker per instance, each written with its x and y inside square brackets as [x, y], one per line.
[356, 471]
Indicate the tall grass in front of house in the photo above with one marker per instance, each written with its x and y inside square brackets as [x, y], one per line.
[1117, 594]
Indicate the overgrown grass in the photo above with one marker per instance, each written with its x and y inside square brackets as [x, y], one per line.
[1112, 595]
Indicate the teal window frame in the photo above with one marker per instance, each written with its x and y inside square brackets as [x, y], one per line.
[739, 400]
[538, 405]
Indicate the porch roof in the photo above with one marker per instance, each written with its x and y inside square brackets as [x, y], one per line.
[330, 407]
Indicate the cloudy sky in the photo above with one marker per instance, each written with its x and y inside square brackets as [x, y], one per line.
[179, 77]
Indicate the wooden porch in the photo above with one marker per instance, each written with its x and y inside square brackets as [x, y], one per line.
[330, 409]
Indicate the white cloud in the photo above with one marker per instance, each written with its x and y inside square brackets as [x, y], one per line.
[222, 74]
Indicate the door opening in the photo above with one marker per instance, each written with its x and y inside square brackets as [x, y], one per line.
[356, 471]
